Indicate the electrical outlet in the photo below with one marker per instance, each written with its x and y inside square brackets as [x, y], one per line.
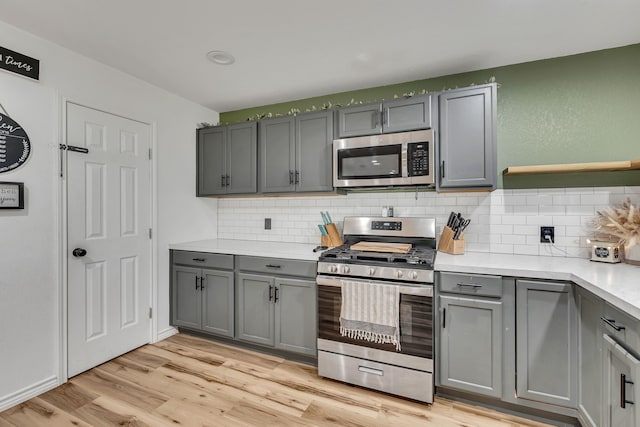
[547, 235]
[267, 223]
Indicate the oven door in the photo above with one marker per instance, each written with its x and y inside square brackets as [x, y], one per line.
[416, 317]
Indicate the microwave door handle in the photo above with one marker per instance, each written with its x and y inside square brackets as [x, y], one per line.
[375, 120]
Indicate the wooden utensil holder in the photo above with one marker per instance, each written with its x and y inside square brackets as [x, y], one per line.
[448, 245]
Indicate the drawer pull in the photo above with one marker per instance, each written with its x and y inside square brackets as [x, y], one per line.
[612, 323]
[366, 370]
[273, 266]
[623, 392]
[469, 285]
[199, 259]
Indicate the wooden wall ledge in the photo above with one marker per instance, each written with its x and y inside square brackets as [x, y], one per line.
[622, 165]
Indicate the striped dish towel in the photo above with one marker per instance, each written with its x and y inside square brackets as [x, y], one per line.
[370, 311]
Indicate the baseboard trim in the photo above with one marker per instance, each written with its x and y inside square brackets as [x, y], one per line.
[28, 392]
[166, 333]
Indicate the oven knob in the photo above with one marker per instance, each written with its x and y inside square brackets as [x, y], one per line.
[346, 269]
[399, 274]
[413, 275]
[333, 268]
[372, 271]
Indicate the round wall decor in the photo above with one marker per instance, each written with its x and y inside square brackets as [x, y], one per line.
[14, 144]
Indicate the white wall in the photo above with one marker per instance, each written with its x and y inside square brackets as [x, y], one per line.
[503, 221]
[29, 285]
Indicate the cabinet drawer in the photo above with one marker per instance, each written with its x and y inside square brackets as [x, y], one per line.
[621, 326]
[203, 259]
[277, 266]
[471, 284]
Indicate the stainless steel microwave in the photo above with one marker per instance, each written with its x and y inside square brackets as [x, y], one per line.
[404, 158]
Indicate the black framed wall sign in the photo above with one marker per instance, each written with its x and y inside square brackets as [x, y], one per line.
[14, 144]
[20, 64]
[11, 195]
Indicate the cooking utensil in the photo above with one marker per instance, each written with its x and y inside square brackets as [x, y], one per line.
[323, 230]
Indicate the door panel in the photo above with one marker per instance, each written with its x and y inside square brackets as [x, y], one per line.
[211, 161]
[277, 161]
[296, 318]
[108, 203]
[217, 300]
[314, 136]
[243, 158]
[255, 309]
[186, 305]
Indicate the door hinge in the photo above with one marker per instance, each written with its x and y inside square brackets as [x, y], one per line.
[149, 153]
[150, 233]
[150, 313]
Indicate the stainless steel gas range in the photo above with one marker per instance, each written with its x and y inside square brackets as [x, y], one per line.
[405, 368]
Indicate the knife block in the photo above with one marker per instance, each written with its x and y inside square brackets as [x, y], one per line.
[448, 245]
[333, 238]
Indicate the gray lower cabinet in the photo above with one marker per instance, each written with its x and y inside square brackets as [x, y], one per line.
[276, 310]
[202, 298]
[621, 385]
[471, 344]
[295, 153]
[227, 160]
[466, 131]
[547, 342]
[590, 394]
[396, 115]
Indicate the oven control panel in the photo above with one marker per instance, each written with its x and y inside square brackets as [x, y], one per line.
[375, 272]
[386, 225]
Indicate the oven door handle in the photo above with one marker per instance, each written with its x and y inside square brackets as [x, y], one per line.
[423, 291]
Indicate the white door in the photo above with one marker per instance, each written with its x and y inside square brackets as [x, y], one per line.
[108, 198]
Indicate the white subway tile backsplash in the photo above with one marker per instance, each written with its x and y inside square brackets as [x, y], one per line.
[504, 221]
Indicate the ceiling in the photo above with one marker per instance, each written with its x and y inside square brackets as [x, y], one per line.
[293, 49]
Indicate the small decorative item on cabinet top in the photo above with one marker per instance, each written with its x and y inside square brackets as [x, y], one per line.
[623, 222]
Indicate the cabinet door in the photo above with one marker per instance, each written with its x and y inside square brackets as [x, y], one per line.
[187, 310]
[467, 138]
[622, 386]
[242, 158]
[471, 345]
[547, 342]
[217, 302]
[295, 321]
[359, 120]
[590, 309]
[256, 309]
[314, 139]
[211, 161]
[277, 155]
[406, 114]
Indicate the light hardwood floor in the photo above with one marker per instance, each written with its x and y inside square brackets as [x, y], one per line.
[189, 381]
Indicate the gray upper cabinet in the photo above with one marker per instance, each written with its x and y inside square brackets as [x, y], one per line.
[227, 160]
[547, 342]
[467, 138]
[471, 344]
[590, 311]
[390, 116]
[295, 153]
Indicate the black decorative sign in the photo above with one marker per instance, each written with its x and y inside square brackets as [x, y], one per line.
[19, 63]
[14, 144]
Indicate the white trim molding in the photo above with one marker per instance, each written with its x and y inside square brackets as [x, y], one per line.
[28, 392]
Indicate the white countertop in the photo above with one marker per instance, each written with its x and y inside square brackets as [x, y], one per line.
[619, 284]
[300, 251]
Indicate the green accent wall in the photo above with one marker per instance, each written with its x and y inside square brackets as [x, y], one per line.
[572, 109]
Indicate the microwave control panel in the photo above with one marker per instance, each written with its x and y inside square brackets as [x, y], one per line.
[418, 158]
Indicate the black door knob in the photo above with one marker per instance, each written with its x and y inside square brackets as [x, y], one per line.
[79, 252]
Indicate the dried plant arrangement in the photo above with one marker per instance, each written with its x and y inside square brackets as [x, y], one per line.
[622, 221]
